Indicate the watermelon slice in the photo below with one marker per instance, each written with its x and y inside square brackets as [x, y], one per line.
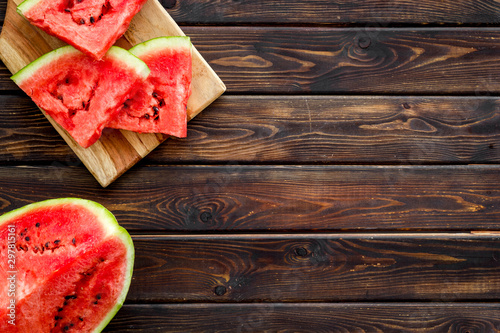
[68, 265]
[78, 92]
[91, 26]
[159, 104]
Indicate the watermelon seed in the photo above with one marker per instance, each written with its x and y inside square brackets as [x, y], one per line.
[95, 302]
[155, 109]
[98, 296]
[155, 95]
[47, 244]
[27, 238]
[59, 310]
[81, 319]
[92, 20]
[57, 241]
[37, 225]
[55, 325]
[74, 241]
[57, 318]
[66, 327]
[70, 297]
[162, 102]
[82, 21]
[156, 118]
[67, 81]
[65, 303]
[146, 116]
[67, 10]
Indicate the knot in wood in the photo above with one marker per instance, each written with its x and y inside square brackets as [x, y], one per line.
[168, 4]
[301, 252]
[220, 290]
[364, 42]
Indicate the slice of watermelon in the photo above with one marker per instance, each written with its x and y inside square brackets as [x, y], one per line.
[68, 265]
[78, 92]
[91, 26]
[159, 104]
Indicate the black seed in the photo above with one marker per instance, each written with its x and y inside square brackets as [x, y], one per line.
[67, 10]
[71, 324]
[57, 241]
[92, 19]
[162, 102]
[67, 81]
[81, 319]
[65, 303]
[98, 296]
[21, 234]
[146, 116]
[82, 21]
[74, 241]
[27, 238]
[66, 327]
[155, 109]
[68, 297]
[102, 259]
[95, 302]
[155, 95]
[156, 118]
[37, 225]
[57, 317]
[60, 97]
[47, 244]
[36, 249]
[59, 310]
[83, 105]
[55, 325]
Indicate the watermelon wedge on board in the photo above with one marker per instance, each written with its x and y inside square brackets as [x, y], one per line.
[80, 93]
[68, 265]
[159, 104]
[91, 26]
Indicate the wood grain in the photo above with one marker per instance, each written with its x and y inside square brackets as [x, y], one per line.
[276, 60]
[370, 12]
[235, 198]
[314, 318]
[115, 152]
[316, 267]
[295, 130]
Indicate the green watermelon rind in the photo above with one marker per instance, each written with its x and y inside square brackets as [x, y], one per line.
[108, 220]
[115, 52]
[159, 43]
[27, 5]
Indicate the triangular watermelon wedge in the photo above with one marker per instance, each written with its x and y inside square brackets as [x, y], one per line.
[159, 104]
[66, 267]
[80, 93]
[91, 26]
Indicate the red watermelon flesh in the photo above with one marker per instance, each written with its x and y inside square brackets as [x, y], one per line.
[80, 93]
[72, 267]
[159, 104]
[91, 26]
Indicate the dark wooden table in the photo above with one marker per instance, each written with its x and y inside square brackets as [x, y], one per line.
[348, 181]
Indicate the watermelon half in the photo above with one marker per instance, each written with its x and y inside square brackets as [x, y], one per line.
[91, 26]
[159, 104]
[80, 93]
[68, 267]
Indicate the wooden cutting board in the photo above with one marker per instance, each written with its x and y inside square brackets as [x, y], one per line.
[116, 151]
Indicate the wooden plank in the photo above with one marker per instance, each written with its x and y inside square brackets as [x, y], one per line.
[355, 60]
[286, 60]
[316, 267]
[116, 151]
[275, 198]
[309, 317]
[295, 130]
[370, 12]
